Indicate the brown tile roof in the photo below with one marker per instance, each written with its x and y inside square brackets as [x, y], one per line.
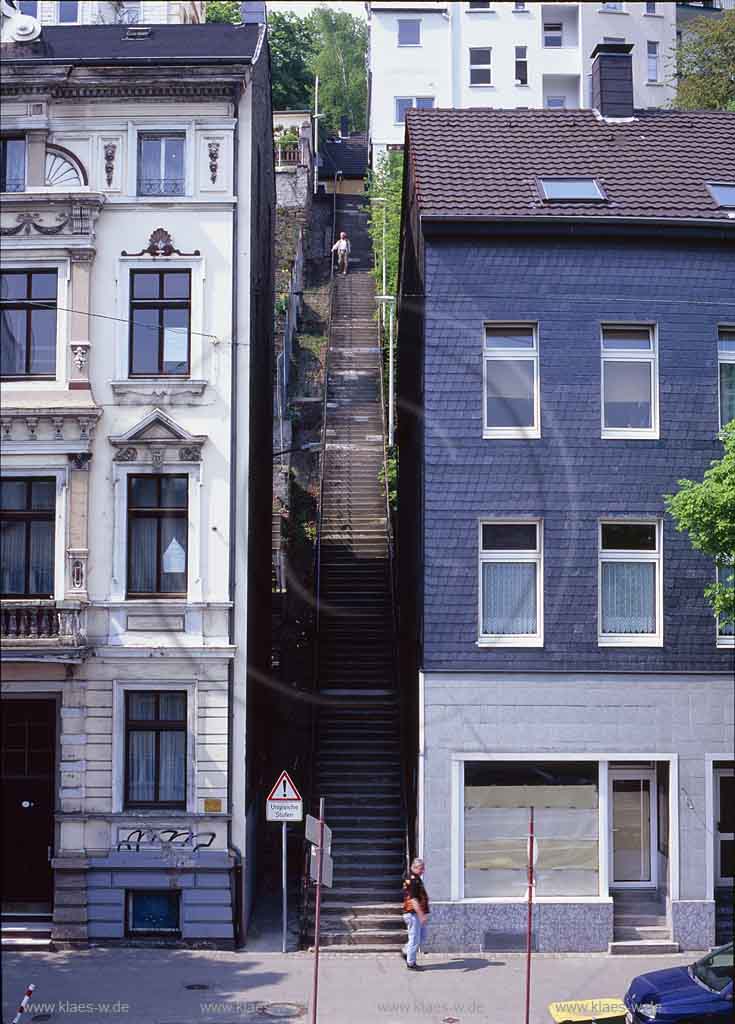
[483, 163]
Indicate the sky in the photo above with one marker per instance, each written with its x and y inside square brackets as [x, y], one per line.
[356, 7]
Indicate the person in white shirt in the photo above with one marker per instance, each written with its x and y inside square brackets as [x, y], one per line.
[342, 248]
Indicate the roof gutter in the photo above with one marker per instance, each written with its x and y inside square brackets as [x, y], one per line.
[579, 225]
[154, 61]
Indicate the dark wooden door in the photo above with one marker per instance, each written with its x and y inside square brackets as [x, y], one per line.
[28, 771]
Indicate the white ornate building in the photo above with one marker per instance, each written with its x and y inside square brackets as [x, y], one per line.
[136, 310]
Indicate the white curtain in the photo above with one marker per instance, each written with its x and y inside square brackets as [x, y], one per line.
[41, 569]
[508, 598]
[173, 766]
[727, 392]
[12, 551]
[142, 766]
[627, 394]
[628, 597]
[142, 556]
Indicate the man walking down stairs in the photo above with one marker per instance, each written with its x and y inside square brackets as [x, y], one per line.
[358, 758]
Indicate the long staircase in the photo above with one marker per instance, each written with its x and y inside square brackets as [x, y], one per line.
[358, 756]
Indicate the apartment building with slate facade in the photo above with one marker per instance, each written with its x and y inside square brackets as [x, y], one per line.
[566, 355]
[137, 297]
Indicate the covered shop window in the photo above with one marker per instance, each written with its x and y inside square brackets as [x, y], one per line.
[497, 799]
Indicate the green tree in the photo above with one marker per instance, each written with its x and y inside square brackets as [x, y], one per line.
[706, 511]
[224, 10]
[339, 59]
[291, 41]
[386, 186]
[705, 64]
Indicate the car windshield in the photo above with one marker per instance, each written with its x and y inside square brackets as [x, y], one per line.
[716, 969]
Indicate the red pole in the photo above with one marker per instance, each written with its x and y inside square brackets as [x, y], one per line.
[530, 917]
[317, 910]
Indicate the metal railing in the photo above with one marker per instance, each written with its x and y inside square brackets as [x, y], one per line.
[288, 155]
[161, 186]
[309, 788]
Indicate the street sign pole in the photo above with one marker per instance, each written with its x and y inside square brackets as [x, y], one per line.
[531, 858]
[317, 910]
[284, 882]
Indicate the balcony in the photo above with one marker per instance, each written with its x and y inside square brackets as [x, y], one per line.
[42, 630]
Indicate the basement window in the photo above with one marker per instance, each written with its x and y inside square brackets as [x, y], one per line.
[553, 189]
[151, 913]
[723, 192]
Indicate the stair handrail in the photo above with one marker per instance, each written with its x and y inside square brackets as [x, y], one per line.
[305, 887]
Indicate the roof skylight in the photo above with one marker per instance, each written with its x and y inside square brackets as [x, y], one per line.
[571, 188]
[723, 192]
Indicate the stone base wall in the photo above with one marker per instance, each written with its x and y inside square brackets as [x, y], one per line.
[70, 918]
[556, 927]
[693, 923]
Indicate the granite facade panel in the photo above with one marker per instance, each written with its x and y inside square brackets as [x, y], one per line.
[569, 477]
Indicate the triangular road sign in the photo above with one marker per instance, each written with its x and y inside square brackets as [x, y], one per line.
[284, 789]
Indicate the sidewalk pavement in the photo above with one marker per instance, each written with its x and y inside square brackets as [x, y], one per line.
[152, 986]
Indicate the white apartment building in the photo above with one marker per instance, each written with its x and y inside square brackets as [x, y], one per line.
[110, 12]
[136, 311]
[498, 54]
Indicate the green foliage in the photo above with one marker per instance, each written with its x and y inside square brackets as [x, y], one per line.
[285, 136]
[706, 511]
[223, 11]
[339, 59]
[291, 40]
[386, 182]
[389, 477]
[705, 64]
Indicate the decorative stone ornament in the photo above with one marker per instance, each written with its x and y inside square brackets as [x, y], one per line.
[17, 27]
[80, 355]
[110, 150]
[160, 243]
[158, 440]
[213, 150]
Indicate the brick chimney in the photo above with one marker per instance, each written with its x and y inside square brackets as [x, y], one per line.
[612, 79]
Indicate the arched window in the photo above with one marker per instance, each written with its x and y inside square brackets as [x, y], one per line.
[62, 171]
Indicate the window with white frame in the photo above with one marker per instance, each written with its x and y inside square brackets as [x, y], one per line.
[158, 527]
[553, 36]
[630, 585]
[725, 625]
[155, 748]
[521, 67]
[497, 796]
[161, 168]
[612, 6]
[409, 32]
[28, 323]
[726, 360]
[27, 536]
[404, 103]
[511, 583]
[520, 8]
[723, 193]
[511, 381]
[629, 381]
[556, 102]
[12, 163]
[650, 8]
[480, 65]
[652, 57]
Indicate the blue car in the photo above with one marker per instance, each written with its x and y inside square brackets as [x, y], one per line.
[685, 995]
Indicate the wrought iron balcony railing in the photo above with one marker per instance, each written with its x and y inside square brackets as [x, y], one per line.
[161, 186]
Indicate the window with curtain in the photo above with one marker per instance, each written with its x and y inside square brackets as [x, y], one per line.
[553, 33]
[629, 381]
[481, 65]
[510, 583]
[27, 527]
[160, 323]
[511, 381]
[521, 65]
[12, 165]
[161, 170]
[726, 359]
[725, 629]
[498, 796]
[155, 748]
[158, 524]
[629, 570]
[652, 61]
[28, 323]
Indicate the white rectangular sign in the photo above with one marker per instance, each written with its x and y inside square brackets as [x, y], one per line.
[327, 868]
[284, 810]
[312, 832]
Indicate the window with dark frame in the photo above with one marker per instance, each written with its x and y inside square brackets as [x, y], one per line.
[28, 7]
[521, 65]
[160, 323]
[553, 33]
[68, 12]
[28, 323]
[153, 913]
[161, 165]
[155, 748]
[650, 8]
[409, 32]
[27, 533]
[12, 164]
[480, 65]
[479, 5]
[158, 523]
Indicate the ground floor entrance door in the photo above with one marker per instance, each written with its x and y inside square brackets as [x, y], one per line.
[633, 828]
[724, 826]
[28, 772]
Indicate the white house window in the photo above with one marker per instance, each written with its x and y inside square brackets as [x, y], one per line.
[158, 527]
[68, 12]
[12, 164]
[726, 358]
[161, 165]
[511, 584]
[150, 913]
[553, 33]
[480, 65]
[650, 8]
[28, 7]
[28, 324]
[511, 381]
[556, 102]
[630, 583]
[497, 798]
[409, 32]
[612, 6]
[520, 8]
[27, 514]
[652, 55]
[726, 631]
[155, 748]
[160, 323]
[479, 5]
[629, 381]
[404, 103]
[521, 65]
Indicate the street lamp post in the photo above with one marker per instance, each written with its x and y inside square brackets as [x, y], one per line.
[378, 199]
[391, 300]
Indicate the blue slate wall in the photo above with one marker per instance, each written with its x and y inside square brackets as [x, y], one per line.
[570, 477]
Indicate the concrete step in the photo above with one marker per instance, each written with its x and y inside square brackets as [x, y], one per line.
[644, 934]
[364, 937]
[637, 947]
[18, 933]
